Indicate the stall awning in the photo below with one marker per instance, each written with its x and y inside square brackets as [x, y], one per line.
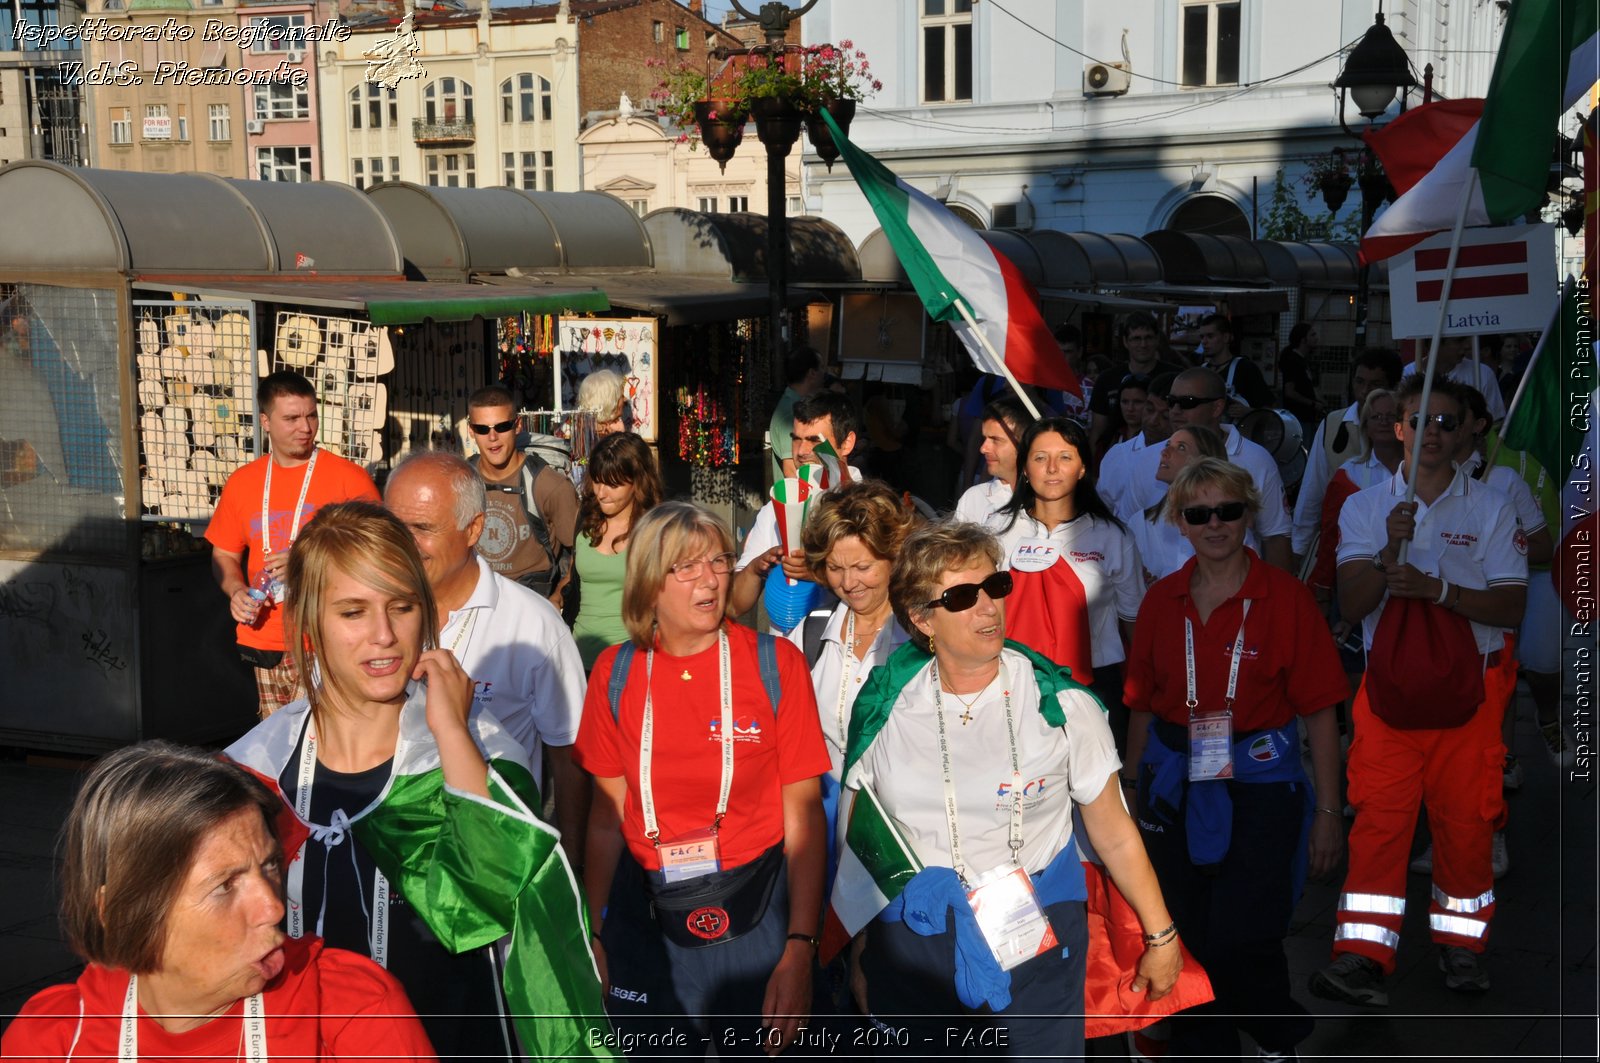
[405, 303]
[1112, 303]
[1239, 300]
[678, 300]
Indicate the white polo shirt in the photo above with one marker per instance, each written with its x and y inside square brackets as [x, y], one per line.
[1104, 559]
[525, 668]
[1484, 380]
[1059, 766]
[1144, 490]
[764, 532]
[836, 691]
[1319, 471]
[1506, 480]
[1112, 479]
[1469, 536]
[981, 501]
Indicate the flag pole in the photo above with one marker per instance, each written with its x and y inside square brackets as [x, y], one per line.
[1533, 360]
[961, 308]
[1433, 347]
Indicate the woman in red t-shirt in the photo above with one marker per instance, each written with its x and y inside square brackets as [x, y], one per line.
[706, 843]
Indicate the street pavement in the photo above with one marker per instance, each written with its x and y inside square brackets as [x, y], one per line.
[1542, 954]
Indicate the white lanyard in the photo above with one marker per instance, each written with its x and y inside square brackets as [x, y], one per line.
[255, 1026]
[1233, 669]
[647, 799]
[266, 496]
[331, 837]
[463, 636]
[844, 675]
[1014, 832]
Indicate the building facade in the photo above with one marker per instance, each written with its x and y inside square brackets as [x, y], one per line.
[648, 166]
[41, 106]
[282, 122]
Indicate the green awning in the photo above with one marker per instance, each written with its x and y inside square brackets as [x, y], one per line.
[499, 304]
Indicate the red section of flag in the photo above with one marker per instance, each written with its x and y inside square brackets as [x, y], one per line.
[1509, 253]
[1492, 286]
[1414, 142]
[1030, 351]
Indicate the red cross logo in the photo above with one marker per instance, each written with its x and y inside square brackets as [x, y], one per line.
[708, 923]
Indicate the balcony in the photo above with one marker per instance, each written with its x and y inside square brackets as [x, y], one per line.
[450, 131]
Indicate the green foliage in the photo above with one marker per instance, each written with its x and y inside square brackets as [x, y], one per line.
[1286, 219]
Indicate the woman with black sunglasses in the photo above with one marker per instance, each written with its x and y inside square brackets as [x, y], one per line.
[1229, 654]
[978, 751]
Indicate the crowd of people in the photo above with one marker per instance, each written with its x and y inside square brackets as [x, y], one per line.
[1053, 767]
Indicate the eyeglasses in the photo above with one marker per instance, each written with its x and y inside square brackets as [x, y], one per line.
[689, 571]
[964, 596]
[1189, 402]
[499, 429]
[1228, 512]
[1447, 422]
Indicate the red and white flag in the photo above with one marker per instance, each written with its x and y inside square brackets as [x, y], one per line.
[1427, 153]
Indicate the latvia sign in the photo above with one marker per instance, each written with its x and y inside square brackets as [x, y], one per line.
[1505, 281]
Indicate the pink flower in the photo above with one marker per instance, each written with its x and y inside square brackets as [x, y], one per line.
[846, 45]
[877, 86]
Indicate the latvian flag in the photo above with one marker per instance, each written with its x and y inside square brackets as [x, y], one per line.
[874, 866]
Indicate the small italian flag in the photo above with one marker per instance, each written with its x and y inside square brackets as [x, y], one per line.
[875, 864]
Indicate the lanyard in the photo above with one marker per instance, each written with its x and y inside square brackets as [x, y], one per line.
[464, 636]
[331, 838]
[1014, 831]
[1233, 669]
[647, 799]
[299, 505]
[255, 1026]
[844, 675]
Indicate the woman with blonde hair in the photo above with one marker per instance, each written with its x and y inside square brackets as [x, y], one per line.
[621, 486]
[414, 836]
[706, 845]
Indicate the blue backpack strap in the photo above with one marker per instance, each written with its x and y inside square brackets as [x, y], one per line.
[620, 664]
[767, 659]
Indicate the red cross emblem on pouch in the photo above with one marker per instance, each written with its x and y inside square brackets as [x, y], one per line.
[708, 923]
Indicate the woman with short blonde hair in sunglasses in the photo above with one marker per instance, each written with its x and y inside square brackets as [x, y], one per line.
[978, 751]
[1229, 653]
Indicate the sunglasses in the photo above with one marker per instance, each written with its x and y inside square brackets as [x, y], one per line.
[1447, 422]
[964, 596]
[1228, 512]
[499, 429]
[1189, 402]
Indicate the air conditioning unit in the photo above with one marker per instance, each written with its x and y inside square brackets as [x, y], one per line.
[295, 55]
[1105, 79]
[255, 126]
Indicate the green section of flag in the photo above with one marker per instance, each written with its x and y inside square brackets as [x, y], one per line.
[1527, 95]
[1565, 372]
[875, 842]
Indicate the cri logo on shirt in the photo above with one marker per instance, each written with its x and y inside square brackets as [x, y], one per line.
[745, 729]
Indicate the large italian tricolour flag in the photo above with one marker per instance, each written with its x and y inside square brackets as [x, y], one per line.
[875, 863]
[948, 263]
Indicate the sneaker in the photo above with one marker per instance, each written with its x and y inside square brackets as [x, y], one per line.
[1423, 864]
[1499, 858]
[1353, 979]
[1555, 740]
[1511, 774]
[1462, 971]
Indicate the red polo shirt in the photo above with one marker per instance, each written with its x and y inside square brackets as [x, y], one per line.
[1289, 665]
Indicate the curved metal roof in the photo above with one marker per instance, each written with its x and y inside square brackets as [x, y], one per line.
[165, 224]
[1016, 246]
[595, 230]
[1294, 263]
[1200, 258]
[734, 247]
[1049, 258]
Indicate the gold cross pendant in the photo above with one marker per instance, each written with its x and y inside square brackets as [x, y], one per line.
[966, 717]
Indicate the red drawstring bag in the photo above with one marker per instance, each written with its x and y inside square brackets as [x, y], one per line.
[1424, 671]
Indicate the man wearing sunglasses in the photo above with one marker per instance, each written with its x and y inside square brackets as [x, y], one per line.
[531, 521]
[1467, 558]
[1198, 398]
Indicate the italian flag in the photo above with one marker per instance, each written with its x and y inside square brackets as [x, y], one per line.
[949, 263]
[1549, 59]
[875, 863]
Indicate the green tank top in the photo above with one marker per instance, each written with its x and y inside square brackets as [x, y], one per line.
[599, 622]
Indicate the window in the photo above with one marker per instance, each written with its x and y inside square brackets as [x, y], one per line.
[658, 32]
[708, 204]
[680, 37]
[547, 169]
[447, 100]
[797, 207]
[183, 126]
[451, 170]
[1210, 46]
[279, 33]
[283, 164]
[121, 125]
[157, 122]
[372, 107]
[370, 171]
[522, 169]
[221, 121]
[518, 99]
[546, 100]
[738, 203]
[280, 99]
[640, 207]
[946, 50]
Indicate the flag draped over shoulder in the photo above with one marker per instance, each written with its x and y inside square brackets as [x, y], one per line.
[946, 262]
[1549, 57]
[475, 870]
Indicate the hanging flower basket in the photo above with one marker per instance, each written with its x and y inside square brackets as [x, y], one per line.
[721, 124]
[843, 111]
[1335, 187]
[778, 120]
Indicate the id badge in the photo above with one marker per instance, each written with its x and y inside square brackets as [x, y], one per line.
[1010, 918]
[1211, 747]
[1034, 555]
[690, 856]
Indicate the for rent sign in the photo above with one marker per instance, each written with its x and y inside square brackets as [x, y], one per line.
[1505, 281]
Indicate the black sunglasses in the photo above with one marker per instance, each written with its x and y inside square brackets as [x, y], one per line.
[500, 429]
[1228, 512]
[1189, 402]
[1447, 422]
[964, 596]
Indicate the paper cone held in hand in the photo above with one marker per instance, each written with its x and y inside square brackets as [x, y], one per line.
[824, 455]
[815, 475]
[789, 500]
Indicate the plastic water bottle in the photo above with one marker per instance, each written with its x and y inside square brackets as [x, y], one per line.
[264, 588]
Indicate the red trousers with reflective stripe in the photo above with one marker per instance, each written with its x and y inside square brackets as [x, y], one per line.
[1457, 771]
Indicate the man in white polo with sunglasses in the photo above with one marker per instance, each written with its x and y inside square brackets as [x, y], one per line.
[531, 519]
[1198, 398]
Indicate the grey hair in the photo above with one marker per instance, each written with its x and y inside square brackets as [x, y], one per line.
[601, 393]
[466, 486]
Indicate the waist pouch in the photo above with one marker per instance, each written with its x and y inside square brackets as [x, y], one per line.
[259, 658]
[714, 908]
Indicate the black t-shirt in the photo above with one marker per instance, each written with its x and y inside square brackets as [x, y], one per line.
[1293, 371]
[1109, 383]
[456, 996]
[1248, 383]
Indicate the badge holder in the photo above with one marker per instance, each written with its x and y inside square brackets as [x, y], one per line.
[1210, 746]
[1008, 913]
[693, 855]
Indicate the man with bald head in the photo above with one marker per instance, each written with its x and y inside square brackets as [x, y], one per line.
[525, 668]
[1198, 398]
